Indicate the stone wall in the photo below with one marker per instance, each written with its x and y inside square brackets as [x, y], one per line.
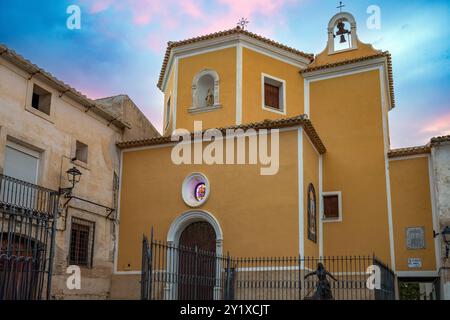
[54, 137]
[441, 168]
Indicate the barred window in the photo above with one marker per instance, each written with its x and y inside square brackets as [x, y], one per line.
[81, 242]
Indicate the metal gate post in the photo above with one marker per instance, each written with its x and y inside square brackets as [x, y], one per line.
[50, 260]
[228, 279]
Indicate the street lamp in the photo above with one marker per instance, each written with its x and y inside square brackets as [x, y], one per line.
[73, 175]
[446, 238]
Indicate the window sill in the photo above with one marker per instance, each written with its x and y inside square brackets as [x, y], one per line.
[274, 110]
[40, 114]
[194, 110]
[331, 220]
[80, 163]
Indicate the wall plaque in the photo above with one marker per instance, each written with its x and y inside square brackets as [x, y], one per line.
[414, 263]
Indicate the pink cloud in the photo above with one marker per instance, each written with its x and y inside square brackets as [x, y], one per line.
[99, 5]
[438, 126]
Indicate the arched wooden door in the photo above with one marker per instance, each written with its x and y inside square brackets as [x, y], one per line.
[197, 262]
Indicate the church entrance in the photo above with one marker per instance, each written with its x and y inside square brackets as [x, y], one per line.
[197, 262]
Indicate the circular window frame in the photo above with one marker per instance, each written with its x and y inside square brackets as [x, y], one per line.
[189, 187]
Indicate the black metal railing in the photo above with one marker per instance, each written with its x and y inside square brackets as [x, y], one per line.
[171, 272]
[27, 229]
[24, 195]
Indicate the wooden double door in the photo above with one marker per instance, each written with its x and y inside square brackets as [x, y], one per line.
[197, 262]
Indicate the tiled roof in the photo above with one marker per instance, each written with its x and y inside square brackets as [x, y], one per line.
[64, 89]
[237, 30]
[438, 140]
[266, 124]
[411, 151]
[403, 152]
[355, 60]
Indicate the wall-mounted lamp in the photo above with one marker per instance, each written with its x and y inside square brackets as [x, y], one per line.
[446, 238]
[73, 175]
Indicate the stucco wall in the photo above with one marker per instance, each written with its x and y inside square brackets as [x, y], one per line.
[258, 214]
[349, 123]
[224, 63]
[411, 208]
[254, 64]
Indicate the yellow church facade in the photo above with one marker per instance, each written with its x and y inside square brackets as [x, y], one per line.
[339, 189]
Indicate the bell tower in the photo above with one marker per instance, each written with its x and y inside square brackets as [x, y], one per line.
[342, 33]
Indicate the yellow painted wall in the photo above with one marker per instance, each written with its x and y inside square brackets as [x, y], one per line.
[349, 123]
[310, 175]
[362, 51]
[224, 63]
[411, 206]
[258, 214]
[254, 64]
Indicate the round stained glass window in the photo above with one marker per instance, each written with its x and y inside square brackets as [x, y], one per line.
[200, 191]
[195, 190]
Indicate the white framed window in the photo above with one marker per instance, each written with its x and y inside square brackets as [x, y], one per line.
[332, 206]
[273, 94]
[168, 112]
[21, 163]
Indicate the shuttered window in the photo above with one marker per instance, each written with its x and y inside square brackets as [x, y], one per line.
[331, 206]
[272, 96]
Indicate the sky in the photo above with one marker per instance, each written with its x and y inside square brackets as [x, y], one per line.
[121, 43]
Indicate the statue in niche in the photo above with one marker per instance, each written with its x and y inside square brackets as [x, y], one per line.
[209, 98]
[323, 290]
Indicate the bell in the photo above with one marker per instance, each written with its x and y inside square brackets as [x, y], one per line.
[343, 40]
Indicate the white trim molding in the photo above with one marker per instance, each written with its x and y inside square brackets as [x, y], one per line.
[320, 205]
[301, 232]
[239, 72]
[417, 274]
[230, 41]
[322, 213]
[175, 96]
[282, 96]
[182, 221]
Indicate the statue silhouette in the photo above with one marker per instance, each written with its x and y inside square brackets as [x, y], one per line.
[323, 290]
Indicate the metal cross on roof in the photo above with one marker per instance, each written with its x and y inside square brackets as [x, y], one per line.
[242, 23]
[340, 6]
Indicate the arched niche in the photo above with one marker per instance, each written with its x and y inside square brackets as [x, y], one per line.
[205, 90]
[342, 25]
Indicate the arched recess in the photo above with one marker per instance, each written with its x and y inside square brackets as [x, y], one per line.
[182, 221]
[204, 80]
[173, 237]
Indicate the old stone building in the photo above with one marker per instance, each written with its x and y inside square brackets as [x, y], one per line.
[440, 154]
[46, 128]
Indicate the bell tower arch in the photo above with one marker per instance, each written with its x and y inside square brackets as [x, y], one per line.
[342, 33]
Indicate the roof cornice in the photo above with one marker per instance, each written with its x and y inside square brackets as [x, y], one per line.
[301, 120]
[64, 89]
[221, 38]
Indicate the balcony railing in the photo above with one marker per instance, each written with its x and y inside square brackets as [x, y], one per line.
[18, 194]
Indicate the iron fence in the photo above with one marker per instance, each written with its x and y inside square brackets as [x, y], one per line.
[27, 227]
[171, 272]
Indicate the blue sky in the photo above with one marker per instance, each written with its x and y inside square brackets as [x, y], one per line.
[120, 46]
